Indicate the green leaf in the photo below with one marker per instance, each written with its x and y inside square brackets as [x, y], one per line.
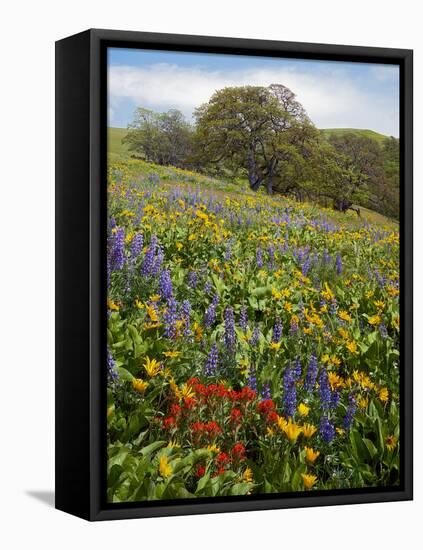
[152, 447]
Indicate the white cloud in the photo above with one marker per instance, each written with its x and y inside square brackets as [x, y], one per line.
[332, 99]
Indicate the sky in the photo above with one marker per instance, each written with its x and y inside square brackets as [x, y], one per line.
[335, 94]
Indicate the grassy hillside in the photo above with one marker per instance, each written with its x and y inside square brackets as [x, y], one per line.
[116, 148]
[252, 342]
[366, 133]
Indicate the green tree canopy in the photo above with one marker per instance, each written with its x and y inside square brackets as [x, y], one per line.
[163, 138]
[254, 128]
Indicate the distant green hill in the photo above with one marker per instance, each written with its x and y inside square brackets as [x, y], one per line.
[380, 138]
[118, 149]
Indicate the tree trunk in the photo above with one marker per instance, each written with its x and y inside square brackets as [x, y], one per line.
[269, 185]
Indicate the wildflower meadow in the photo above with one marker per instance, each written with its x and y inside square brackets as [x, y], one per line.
[253, 340]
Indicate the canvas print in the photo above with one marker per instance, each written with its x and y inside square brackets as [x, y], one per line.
[252, 276]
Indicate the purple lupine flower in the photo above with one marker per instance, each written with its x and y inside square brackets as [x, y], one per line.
[327, 430]
[112, 373]
[266, 392]
[335, 398]
[277, 330]
[297, 369]
[170, 318]
[117, 249]
[326, 257]
[108, 270]
[293, 328]
[136, 245]
[210, 315]
[149, 256]
[271, 253]
[157, 263]
[243, 318]
[186, 314]
[305, 268]
[325, 393]
[252, 379]
[255, 337]
[333, 307]
[165, 285]
[212, 361]
[259, 258]
[338, 263]
[229, 335]
[207, 287]
[349, 415]
[383, 331]
[192, 279]
[289, 391]
[311, 376]
[228, 251]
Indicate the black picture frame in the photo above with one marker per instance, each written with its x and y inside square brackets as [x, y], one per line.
[81, 146]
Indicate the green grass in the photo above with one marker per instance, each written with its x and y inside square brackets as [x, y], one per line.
[380, 138]
[117, 149]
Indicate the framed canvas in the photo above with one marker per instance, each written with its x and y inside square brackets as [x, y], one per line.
[233, 257]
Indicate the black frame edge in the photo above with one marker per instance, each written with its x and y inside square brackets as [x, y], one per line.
[72, 389]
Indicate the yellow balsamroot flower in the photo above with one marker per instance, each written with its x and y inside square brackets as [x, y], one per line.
[179, 246]
[112, 305]
[152, 367]
[139, 304]
[185, 391]
[335, 361]
[198, 331]
[155, 298]
[391, 442]
[335, 380]
[374, 320]
[173, 445]
[340, 431]
[292, 431]
[309, 481]
[308, 430]
[343, 333]
[344, 316]
[363, 402]
[276, 294]
[152, 313]
[287, 307]
[311, 455]
[303, 409]
[352, 346]
[171, 354]
[247, 476]
[270, 431]
[274, 345]
[327, 293]
[383, 394]
[282, 424]
[213, 448]
[379, 305]
[165, 469]
[139, 385]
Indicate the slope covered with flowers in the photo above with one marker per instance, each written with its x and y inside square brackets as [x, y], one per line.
[252, 342]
